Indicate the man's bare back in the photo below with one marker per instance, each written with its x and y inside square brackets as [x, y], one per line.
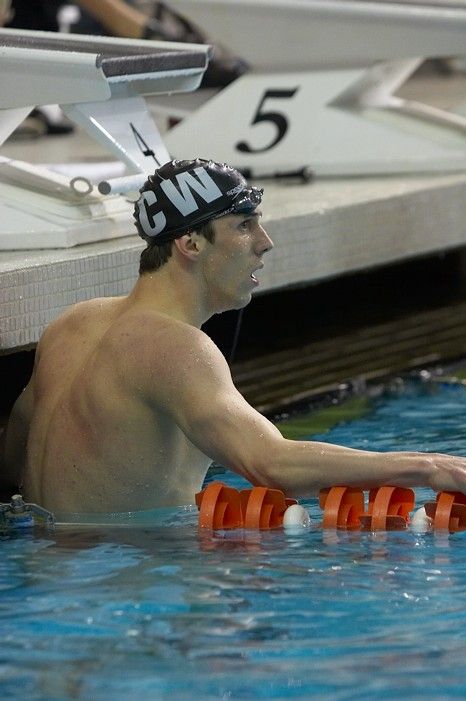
[97, 442]
[130, 400]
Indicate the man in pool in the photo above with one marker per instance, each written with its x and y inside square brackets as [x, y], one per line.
[130, 401]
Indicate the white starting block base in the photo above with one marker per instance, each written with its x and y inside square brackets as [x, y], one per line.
[331, 123]
[55, 216]
[321, 92]
[100, 83]
[320, 230]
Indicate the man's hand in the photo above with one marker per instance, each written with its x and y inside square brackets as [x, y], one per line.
[448, 472]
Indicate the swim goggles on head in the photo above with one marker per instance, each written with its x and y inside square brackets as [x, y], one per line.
[245, 203]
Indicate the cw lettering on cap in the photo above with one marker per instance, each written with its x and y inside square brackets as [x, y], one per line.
[154, 221]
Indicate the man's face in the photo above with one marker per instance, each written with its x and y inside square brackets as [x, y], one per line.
[231, 261]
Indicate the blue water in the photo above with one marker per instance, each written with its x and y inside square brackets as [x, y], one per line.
[163, 612]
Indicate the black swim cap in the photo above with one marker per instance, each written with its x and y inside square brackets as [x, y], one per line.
[181, 195]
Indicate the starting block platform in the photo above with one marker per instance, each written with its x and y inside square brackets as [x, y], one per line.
[321, 96]
[100, 84]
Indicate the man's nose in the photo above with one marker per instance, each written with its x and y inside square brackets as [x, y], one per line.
[265, 243]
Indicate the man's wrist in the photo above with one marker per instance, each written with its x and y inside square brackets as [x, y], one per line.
[418, 469]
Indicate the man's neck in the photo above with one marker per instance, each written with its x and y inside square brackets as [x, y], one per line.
[171, 292]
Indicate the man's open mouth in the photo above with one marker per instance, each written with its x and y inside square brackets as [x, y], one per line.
[253, 277]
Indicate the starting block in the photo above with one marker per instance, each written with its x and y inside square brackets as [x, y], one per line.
[321, 97]
[100, 84]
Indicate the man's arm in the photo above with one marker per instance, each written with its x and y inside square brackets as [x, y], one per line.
[193, 383]
[14, 440]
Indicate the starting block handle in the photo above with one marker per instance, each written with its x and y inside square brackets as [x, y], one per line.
[123, 185]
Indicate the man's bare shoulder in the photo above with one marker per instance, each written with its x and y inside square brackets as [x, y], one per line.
[162, 339]
[85, 308]
[161, 353]
[75, 316]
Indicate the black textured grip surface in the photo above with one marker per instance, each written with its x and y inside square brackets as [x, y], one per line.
[120, 59]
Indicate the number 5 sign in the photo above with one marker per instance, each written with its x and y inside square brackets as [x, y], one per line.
[254, 124]
[279, 119]
[331, 122]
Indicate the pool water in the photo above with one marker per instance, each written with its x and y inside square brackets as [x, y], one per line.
[165, 612]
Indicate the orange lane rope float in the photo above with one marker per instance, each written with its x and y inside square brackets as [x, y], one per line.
[222, 507]
[448, 511]
[387, 508]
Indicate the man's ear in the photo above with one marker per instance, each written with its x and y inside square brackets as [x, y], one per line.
[190, 245]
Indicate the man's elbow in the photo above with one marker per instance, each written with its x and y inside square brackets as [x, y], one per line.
[265, 467]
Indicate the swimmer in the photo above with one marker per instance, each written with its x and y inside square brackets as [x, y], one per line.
[129, 401]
